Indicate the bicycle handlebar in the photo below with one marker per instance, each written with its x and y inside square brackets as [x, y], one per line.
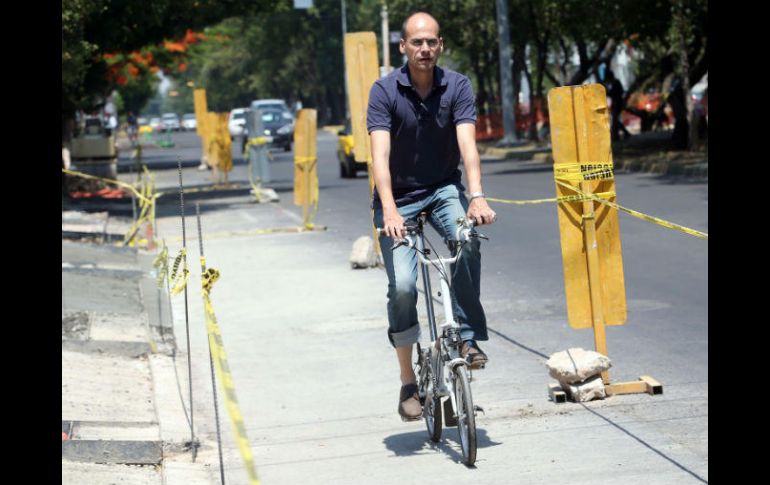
[465, 231]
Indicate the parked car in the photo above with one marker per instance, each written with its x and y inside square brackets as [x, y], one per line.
[156, 124]
[189, 122]
[279, 127]
[348, 165]
[237, 122]
[270, 104]
[144, 125]
[171, 122]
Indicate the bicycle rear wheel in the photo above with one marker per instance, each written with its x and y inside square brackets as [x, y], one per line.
[466, 419]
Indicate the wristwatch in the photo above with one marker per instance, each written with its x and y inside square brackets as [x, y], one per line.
[476, 195]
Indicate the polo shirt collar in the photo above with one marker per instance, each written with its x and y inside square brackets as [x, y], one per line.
[402, 77]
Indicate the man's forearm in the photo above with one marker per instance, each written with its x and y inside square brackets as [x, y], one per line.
[466, 140]
[472, 164]
[381, 176]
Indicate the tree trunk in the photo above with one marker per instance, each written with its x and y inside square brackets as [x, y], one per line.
[534, 106]
[481, 95]
[685, 138]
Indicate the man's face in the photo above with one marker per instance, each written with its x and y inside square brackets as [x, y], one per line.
[422, 45]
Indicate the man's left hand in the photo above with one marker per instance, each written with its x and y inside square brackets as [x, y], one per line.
[480, 212]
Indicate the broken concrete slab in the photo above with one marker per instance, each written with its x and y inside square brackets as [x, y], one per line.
[588, 390]
[76, 473]
[112, 451]
[98, 387]
[75, 325]
[111, 347]
[87, 292]
[576, 365]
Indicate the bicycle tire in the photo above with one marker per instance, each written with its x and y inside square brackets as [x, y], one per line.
[431, 408]
[466, 419]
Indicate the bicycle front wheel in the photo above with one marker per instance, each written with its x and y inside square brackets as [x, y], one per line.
[432, 407]
[466, 419]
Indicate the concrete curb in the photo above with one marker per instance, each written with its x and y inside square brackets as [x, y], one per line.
[332, 129]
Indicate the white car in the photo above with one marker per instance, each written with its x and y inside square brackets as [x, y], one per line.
[189, 123]
[171, 122]
[237, 122]
[156, 124]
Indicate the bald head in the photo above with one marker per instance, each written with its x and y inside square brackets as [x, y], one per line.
[419, 21]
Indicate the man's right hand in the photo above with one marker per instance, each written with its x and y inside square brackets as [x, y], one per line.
[393, 224]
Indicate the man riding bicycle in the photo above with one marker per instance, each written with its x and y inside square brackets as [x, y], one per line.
[421, 120]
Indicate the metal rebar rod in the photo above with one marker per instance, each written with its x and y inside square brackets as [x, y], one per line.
[187, 318]
[211, 358]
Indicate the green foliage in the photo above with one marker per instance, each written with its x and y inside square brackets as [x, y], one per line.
[266, 48]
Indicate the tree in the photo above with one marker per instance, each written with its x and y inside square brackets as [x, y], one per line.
[91, 28]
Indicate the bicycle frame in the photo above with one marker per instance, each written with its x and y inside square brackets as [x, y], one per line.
[448, 353]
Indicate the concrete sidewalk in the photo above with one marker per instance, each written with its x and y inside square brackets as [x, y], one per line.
[121, 409]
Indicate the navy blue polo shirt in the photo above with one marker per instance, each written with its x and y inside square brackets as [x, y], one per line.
[424, 153]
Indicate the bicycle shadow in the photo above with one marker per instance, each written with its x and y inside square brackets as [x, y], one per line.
[415, 442]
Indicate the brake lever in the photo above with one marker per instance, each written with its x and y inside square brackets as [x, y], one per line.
[403, 242]
[479, 235]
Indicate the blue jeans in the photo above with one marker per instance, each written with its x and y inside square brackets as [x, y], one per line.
[444, 205]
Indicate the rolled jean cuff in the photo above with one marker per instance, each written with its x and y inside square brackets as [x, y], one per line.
[409, 336]
[470, 334]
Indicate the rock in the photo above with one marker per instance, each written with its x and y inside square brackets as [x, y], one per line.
[592, 388]
[575, 365]
[363, 254]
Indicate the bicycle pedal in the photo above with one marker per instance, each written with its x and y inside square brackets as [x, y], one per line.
[477, 408]
[405, 419]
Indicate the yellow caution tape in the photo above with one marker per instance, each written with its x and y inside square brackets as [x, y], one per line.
[161, 263]
[579, 172]
[639, 215]
[307, 164]
[255, 141]
[209, 277]
[225, 377]
[569, 198]
[102, 179]
[146, 198]
[179, 280]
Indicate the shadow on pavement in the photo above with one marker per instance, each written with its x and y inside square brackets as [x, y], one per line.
[405, 444]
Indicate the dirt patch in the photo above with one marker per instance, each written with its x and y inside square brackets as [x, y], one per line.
[74, 326]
